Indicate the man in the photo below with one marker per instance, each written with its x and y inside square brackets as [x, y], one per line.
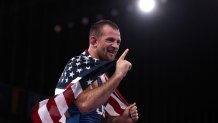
[104, 43]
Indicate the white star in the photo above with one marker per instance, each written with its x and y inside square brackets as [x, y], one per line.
[72, 74]
[86, 62]
[65, 74]
[73, 59]
[79, 70]
[86, 58]
[78, 59]
[87, 68]
[89, 82]
[62, 80]
[84, 53]
[66, 80]
[77, 64]
[69, 67]
[96, 60]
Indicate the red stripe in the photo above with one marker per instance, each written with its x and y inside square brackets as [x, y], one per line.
[35, 115]
[53, 110]
[69, 96]
[115, 105]
[121, 97]
[52, 107]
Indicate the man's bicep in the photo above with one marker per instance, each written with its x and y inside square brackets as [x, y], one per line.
[83, 99]
[86, 91]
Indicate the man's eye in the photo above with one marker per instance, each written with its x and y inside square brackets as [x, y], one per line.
[110, 40]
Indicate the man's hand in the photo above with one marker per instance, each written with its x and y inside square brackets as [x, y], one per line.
[130, 115]
[122, 65]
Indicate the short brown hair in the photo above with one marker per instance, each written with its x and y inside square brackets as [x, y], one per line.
[96, 27]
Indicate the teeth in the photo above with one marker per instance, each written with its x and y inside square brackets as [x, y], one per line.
[111, 52]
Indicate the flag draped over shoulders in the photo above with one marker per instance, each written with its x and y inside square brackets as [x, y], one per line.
[79, 73]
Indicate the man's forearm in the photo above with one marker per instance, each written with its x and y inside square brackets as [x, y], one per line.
[93, 98]
[114, 119]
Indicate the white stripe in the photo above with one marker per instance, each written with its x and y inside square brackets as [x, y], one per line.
[103, 78]
[61, 103]
[111, 110]
[63, 119]
[58, 91]
[44, 114]
[122, 105]
[77, 89]
[76, 80]
[41, 103]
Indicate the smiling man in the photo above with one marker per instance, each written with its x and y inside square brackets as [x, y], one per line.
[104, 41]
[89, 106]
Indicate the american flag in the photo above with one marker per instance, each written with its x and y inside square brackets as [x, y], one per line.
[78, 74]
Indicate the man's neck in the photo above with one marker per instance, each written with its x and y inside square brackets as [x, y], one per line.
[92, 52]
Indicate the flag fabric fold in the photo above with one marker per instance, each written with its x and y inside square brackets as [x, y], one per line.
[79, 73]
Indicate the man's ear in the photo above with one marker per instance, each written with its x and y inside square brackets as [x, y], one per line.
[93, 41]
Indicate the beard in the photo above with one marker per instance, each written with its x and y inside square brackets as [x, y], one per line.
[106, 55]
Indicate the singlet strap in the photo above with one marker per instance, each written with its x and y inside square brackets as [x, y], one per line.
[99, 84]
[99, 81]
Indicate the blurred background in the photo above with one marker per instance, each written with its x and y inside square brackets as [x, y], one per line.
[173, 49]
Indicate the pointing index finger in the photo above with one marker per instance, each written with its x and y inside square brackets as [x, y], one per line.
[124, 54]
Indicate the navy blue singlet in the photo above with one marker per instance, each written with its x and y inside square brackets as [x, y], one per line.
[95, 116]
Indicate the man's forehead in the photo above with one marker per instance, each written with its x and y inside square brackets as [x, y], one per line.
[108, 27]
[112, 34]
[110, 30]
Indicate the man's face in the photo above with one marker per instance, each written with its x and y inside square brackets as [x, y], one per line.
[108, 43]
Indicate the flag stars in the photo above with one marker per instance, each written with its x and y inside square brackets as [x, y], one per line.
[79, 70]
[65, 73]
[69, 67]
[86, 58]
[78, 59]
[77, 64]
[73, 59]
[88, 68]
[96, 60]
[89, 82]
[66, 80]
[86, 62]
[62, 80]
[72, 74]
